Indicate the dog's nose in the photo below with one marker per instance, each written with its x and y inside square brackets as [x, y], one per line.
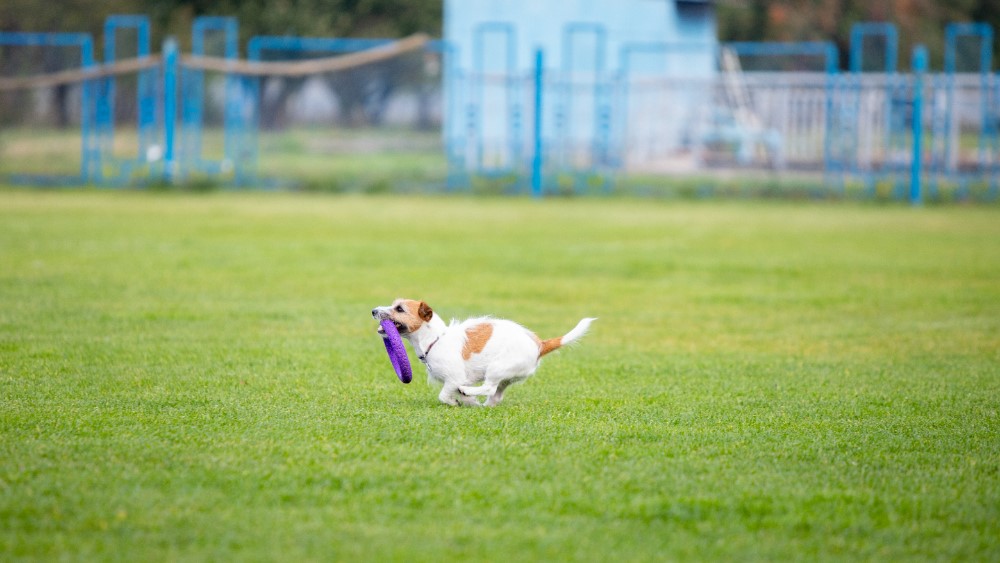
[375, 313]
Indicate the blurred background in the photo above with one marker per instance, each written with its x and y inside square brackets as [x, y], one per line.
[664, 98]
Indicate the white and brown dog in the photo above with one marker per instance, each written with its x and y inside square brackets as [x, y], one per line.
[475, 357]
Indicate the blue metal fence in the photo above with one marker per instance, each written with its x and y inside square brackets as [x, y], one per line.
[581, 125]
[279, 48]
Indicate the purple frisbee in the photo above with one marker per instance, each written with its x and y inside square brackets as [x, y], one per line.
[397, 353]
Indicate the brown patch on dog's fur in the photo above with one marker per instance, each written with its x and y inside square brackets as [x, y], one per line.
[549, 346]
[476, 339]
[414, 315]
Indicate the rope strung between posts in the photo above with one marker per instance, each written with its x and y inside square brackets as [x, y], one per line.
[80, 74]
[314, 66]
[229, 66]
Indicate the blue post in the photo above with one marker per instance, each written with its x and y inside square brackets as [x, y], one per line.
[536, 161]
[833, 156]
[91, 164]
[145, 93]
[919, 69]
[169, 107]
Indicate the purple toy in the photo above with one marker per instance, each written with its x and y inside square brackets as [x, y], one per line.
[397, 353]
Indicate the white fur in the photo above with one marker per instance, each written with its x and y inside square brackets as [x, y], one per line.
[511, 354]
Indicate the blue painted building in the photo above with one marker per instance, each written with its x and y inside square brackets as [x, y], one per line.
[567, 29]
[593, 50]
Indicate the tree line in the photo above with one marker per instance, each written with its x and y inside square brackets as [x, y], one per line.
[919, 21]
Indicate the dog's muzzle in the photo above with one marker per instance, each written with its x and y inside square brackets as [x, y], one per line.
[382, 313]
[378, 315]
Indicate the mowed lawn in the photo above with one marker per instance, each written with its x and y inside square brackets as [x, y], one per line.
[197, 377]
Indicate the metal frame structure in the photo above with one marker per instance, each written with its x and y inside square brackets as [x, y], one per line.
[294, 44]
[895, 136]
[988, 143]
[146, 101]
[90, 153]
[192, 82]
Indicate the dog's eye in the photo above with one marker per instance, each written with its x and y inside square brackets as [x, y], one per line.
[399, 308]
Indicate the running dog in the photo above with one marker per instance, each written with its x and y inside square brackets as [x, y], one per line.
[477, 357]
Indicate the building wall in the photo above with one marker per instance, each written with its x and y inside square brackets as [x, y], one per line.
[594, 50]
[541, 23]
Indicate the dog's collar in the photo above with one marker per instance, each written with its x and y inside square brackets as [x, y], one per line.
[423, 357]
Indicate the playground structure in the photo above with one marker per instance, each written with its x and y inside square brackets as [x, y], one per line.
[767, 111]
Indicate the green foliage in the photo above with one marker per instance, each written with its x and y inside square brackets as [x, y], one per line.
[320, 18]
[831, 20]
[197, 377]
[743, 20]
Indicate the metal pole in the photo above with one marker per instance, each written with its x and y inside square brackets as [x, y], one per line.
[536, 162]
[919, 69]
[90, 166]
[169, 107]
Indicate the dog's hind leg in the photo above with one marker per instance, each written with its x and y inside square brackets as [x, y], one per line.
[497, 395]
[496, 381]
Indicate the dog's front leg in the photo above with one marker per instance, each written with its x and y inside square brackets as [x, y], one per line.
[469, 401]
[449, 394]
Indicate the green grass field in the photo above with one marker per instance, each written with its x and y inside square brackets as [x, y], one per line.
[196, 377]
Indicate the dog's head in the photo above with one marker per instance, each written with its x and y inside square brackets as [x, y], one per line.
[407, 314]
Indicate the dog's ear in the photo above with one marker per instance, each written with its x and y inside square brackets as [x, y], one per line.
[425, 312]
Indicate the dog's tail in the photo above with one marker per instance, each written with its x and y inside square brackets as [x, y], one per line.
[570, 337]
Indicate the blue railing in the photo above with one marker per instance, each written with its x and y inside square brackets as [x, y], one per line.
[526, 124]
